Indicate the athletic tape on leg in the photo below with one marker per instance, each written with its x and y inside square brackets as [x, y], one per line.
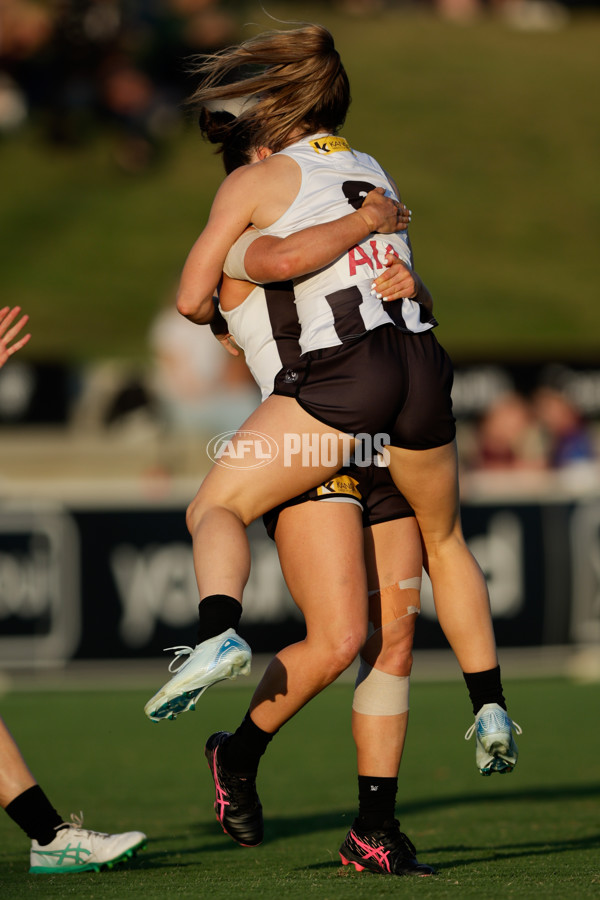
[406, 584]
[396, 603]
[378, 694]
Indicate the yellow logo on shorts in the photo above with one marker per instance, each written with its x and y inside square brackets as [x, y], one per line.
[341, 484]
[330, 145]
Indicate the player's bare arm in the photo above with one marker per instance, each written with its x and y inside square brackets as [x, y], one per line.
[271, 258]
[258, 194]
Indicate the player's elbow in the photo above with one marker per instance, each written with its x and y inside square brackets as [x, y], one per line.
[190, 307]
[185, 305]
[285, 266]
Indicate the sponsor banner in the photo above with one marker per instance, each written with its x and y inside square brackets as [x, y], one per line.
[119, 583]
[40, 585]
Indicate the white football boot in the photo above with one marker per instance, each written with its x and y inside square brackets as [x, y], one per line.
[495, 747]
[225, 656]
[77, 849]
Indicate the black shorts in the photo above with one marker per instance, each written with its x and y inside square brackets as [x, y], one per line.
[371, 487]
[386, 382]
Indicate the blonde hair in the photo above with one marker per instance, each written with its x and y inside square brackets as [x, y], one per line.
[296, 77]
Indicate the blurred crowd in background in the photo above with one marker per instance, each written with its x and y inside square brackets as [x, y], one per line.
[525, 435]
[76, 65]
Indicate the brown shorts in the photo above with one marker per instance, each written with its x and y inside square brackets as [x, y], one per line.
[371, 487]
[386, 382]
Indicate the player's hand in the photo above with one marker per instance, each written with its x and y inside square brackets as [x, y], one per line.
[385, 214]
[397, 280]
[228, 342]
[8, 334]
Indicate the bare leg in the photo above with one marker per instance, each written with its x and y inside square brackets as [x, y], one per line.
[321, 550]
[380, 706]
[232, 497]
[21, 796]
[429, 481]
[15, 776]
[27, 805]
[393, 558]
[320, 545]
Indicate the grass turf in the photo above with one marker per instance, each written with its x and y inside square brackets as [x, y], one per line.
[491, 133]
[535, 833]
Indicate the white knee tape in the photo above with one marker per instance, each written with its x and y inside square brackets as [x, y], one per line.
[378, 694]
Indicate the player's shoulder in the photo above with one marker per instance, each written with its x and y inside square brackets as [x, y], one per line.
[262, 171]
[240, 183]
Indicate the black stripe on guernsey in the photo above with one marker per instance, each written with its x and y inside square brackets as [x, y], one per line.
[394, 310]
[347, 320]
[283, 317]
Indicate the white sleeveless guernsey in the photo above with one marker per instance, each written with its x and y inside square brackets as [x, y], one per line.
[265, 331]
[335, 304]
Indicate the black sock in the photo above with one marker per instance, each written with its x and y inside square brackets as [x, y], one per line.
[484, 687]
[35, 815]
[217, 613]
[376, 802]
[242, 752]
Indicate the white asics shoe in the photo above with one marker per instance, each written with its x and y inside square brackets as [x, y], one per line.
[495, 747]
[76, 849]
[225, 656]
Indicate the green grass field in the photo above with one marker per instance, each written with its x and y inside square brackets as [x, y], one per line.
[532, 834]
[492, 135]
